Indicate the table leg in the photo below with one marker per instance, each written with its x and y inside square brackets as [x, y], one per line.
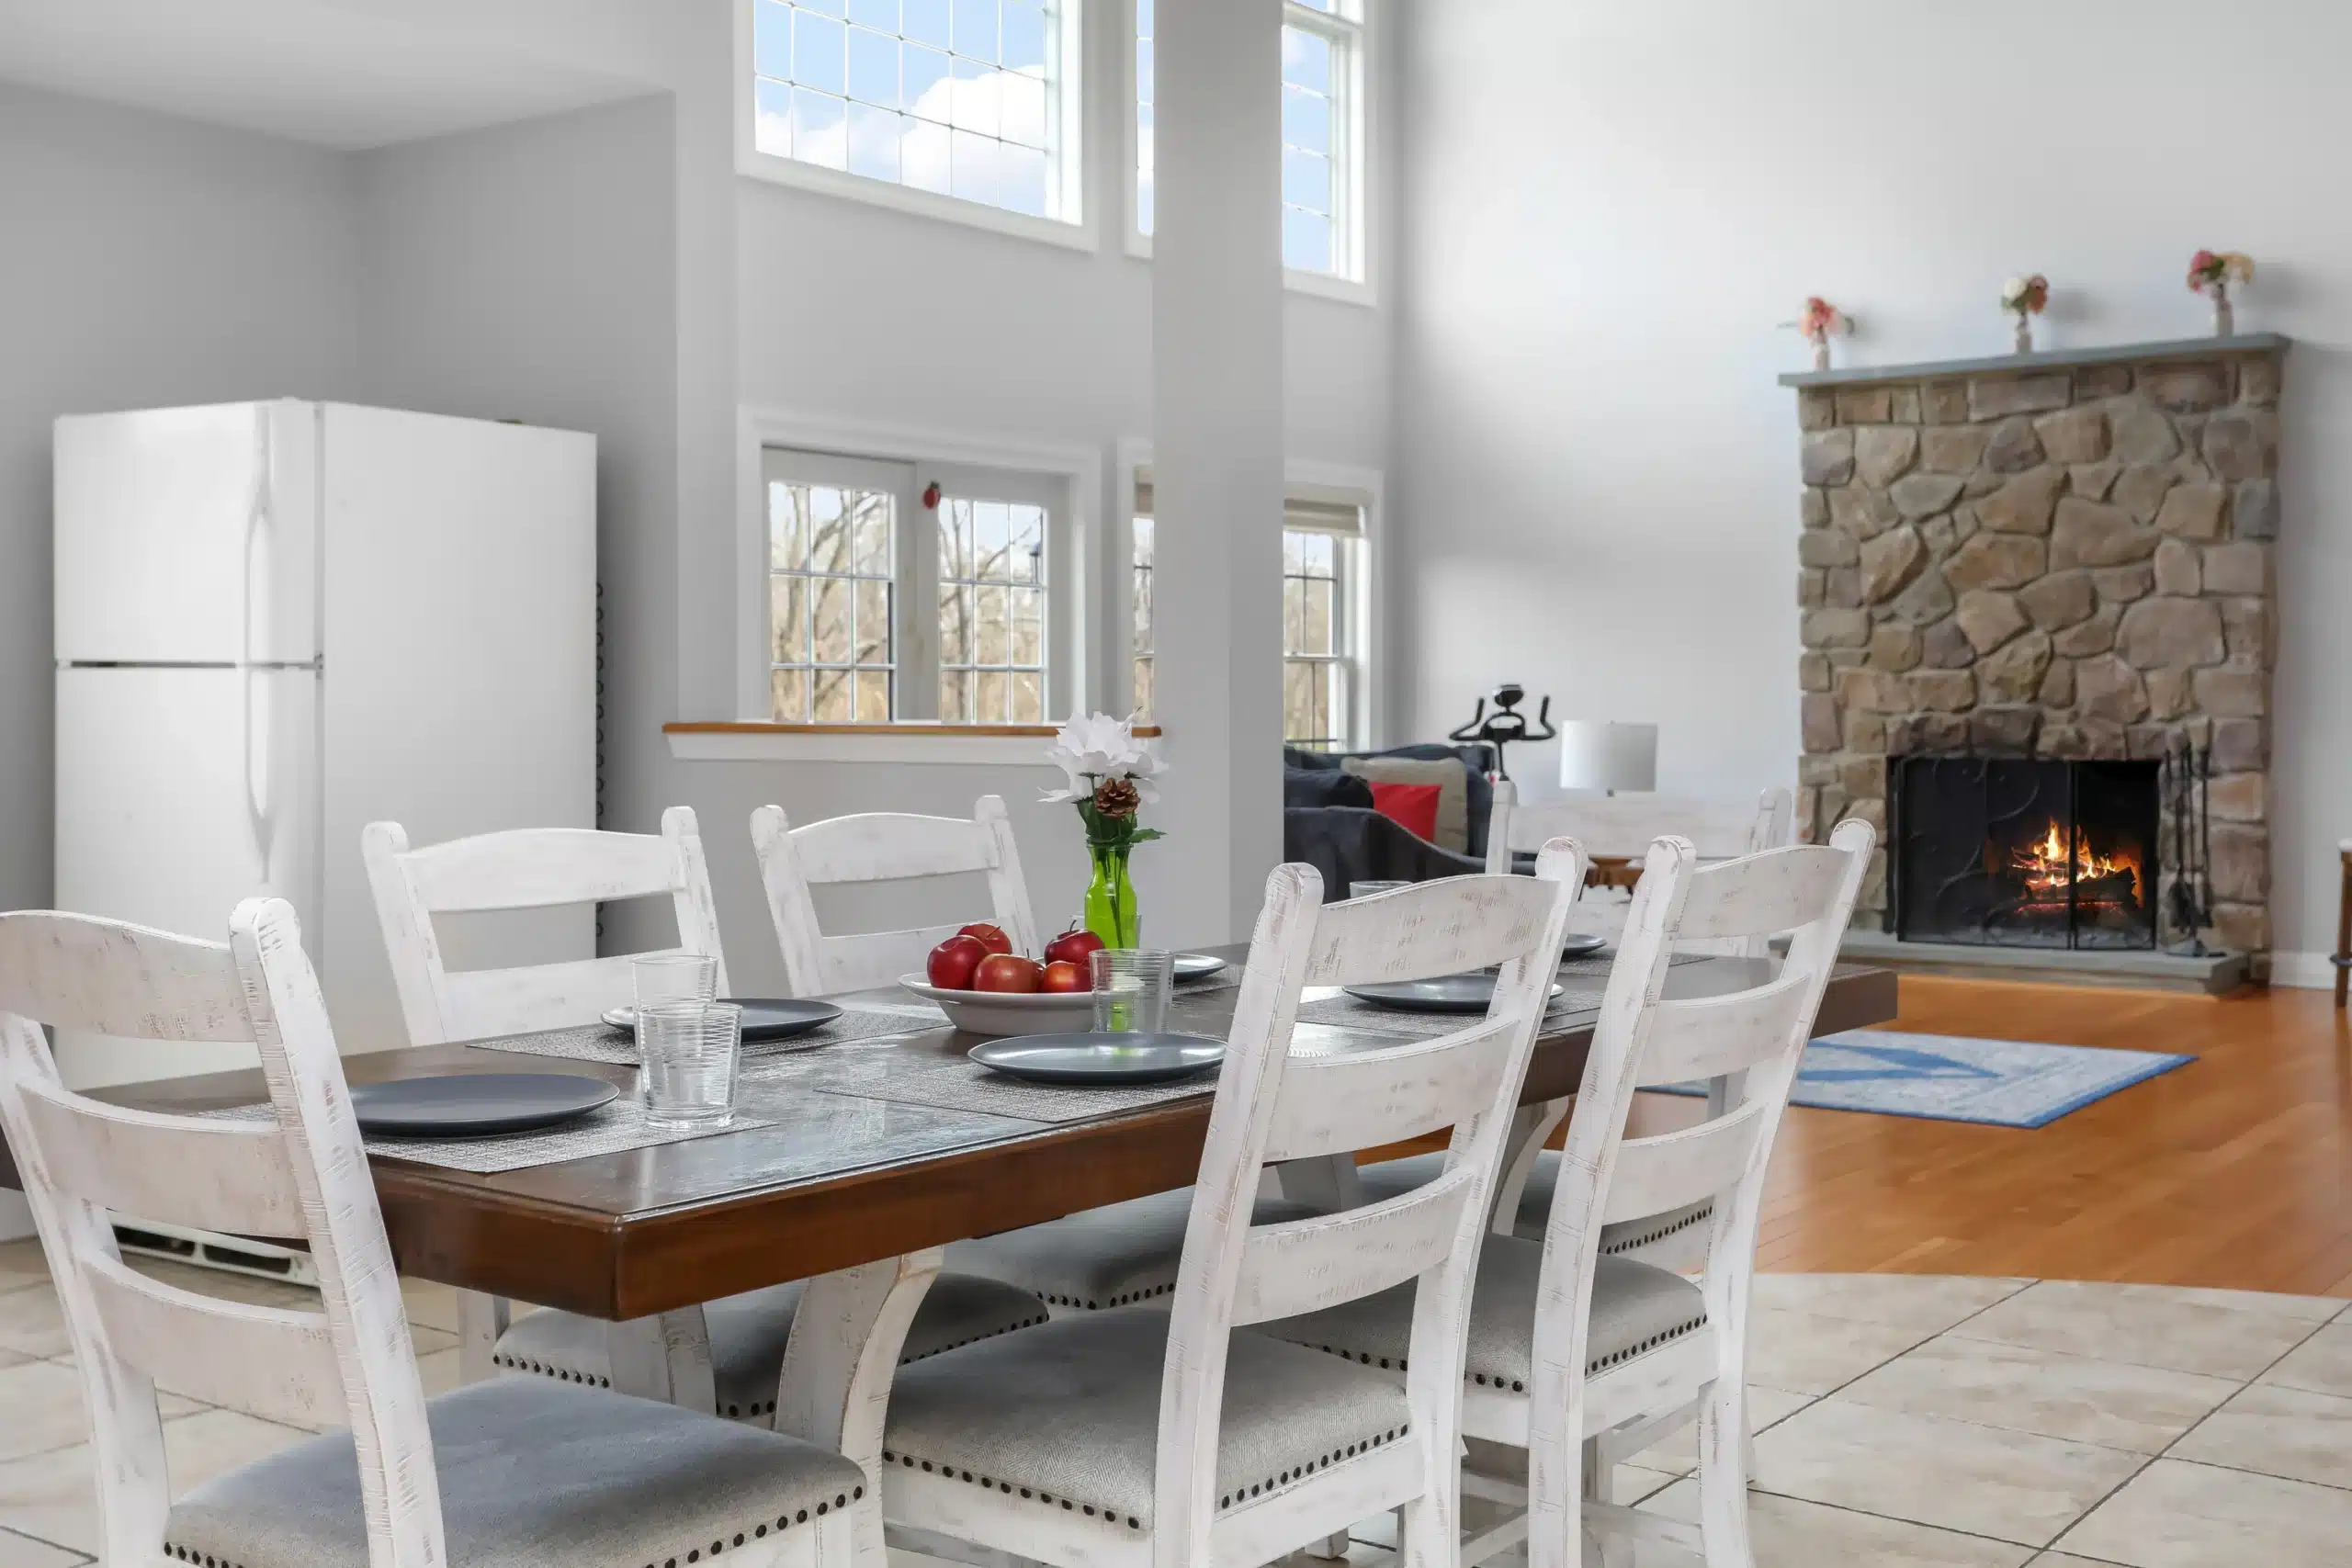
[834, 1390]
[481, 1320]
[2344, 933]
[1327, 1182]
[665, 1356]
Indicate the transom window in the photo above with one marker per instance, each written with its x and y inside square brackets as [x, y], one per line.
[1322, 134]
[857, 549]
[971, 99]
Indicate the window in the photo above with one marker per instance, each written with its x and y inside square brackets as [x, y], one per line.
[973, 100]
[1321, 608]
[856, 548]
[1322, 135]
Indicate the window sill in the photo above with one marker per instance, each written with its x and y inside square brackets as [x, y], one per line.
[750, 164]
[947, 745]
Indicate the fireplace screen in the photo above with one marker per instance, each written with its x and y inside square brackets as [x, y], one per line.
[2016, 852]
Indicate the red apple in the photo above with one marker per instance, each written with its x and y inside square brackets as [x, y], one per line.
[1062, 975]
[1072, 946]
[988, 936]
[1007, 972]
[953, 962]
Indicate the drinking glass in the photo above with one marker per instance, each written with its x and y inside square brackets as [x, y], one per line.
[1131, 990]
[691, 1050]
[675, 977]
[1366, 889]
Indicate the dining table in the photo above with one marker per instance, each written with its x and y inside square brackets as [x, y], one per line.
[842, 1181]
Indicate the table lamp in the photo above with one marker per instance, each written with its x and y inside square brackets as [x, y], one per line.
[1598, 754]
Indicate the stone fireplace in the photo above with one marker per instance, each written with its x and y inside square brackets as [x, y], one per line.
[2025, 584]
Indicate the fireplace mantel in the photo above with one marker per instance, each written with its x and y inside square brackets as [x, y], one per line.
[2174, 352]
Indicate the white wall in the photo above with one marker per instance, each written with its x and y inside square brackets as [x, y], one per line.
[148, 261]
[1613, 207]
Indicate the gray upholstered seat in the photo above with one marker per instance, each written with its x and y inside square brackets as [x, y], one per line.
[532, 1472]
[1112, 1257]
[1391, 1176]
[748, 1333]
[1634, 1308]
[1068, 1416]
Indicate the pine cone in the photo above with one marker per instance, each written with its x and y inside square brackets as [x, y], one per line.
[1116, 797]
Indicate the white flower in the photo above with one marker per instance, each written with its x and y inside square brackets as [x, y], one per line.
[1094, 747]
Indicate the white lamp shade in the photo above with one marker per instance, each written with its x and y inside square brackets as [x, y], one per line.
[1596, 754]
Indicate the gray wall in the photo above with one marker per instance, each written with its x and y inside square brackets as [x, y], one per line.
[148, 261]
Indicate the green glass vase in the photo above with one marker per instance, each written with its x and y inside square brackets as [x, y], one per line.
[1111, 911]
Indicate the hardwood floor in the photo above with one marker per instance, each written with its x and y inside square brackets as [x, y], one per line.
[2235, 1171]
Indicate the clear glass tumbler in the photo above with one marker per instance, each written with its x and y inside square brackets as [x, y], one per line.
[675, 977]
[1131, 990]
[691, 1051]
[1366, 889]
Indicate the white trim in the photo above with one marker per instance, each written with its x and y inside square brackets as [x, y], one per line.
[1081, 234]
[1079, 469]
[2307, 970]
[891, 745]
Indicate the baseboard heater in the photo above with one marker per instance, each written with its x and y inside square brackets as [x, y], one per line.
[209, 1250]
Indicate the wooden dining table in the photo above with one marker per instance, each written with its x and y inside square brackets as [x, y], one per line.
[856, 1195]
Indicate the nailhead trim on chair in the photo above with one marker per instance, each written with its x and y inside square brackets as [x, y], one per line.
[1397, 1363]
[1129, 1299]
[694, 1554]
[545, 1369]
[1111, 1515]
[1644, 1238]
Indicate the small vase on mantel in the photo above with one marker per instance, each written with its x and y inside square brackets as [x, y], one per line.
[2024, 340]
[2225, 315]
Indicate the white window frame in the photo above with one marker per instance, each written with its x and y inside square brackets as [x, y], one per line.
[1362, 590]
[1356, 137]
[1071, 481]
[1071, 93]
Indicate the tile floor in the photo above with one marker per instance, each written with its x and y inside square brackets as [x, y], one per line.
[1904, 1422]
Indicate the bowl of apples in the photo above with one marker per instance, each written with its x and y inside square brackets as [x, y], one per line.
[985, 987]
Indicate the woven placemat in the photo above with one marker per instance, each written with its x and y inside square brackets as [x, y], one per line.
[609, 1129]
[968, 1086]
[600, 1042]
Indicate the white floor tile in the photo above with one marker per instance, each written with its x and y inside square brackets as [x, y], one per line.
[31, 1322]
[1677, 1452]
[22, 1551]
[1802, 1352]
[53, 1497]
[22, 1263]
[2176, 1515]
[1953, 1475]
[2278, 1431]
[2114, 1403]
[1788, 1532]
[2182, 1331]
[2322, 1364]
[1930, 1303]
[431, 1305]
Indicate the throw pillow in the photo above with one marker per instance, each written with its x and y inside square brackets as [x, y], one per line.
[1412, 807]
[1318, 787]
[1453, 791]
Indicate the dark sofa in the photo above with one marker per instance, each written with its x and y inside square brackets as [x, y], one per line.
[1355, 843]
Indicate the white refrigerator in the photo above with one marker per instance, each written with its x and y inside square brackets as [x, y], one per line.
[277, 622]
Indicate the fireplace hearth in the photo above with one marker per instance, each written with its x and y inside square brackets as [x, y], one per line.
[2023, 851]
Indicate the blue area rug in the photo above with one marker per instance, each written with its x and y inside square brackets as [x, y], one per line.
[1943, 1078]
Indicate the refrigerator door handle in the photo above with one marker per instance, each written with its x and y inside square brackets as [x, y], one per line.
[257, 814]
[256, 516]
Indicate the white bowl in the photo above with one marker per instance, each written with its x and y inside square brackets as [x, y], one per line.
[1006, 1012]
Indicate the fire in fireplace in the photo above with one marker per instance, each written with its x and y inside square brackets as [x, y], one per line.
[2024, 851]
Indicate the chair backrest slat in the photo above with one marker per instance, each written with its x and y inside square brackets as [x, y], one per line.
[1711, 1037]
[268, 1361]
[215, 1175]
[880, 847]
[529, 868]
[1672, 1170]
[1336, 1104]
[301, 1175]
[1302, 1266]
[1402, 934]
[1742, 898]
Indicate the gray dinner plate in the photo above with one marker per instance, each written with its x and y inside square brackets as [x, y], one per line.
[1582, 944]
[476, 1105]
[1198, 965]
[1100, 1058]
[764, 1017]
[1447, 993]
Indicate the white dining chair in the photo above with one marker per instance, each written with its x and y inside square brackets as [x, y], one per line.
[1177, 1436]
[1568, 1345]
[720, 1358]
[513, 1471]
[882, 846]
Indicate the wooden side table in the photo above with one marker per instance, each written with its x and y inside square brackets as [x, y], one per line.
[1625, 871]
[2343, 959]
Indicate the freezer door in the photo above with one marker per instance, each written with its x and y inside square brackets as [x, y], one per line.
[180, 791]
[189, 536]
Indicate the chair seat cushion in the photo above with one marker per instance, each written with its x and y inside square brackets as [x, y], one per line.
[1066, 1416]
[1636, 1308]
[1113, 1257]
[748, 1333]
[532, 1472]
[1391, 1176]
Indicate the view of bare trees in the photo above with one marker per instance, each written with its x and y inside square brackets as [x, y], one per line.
[833, 576]
[991, 612]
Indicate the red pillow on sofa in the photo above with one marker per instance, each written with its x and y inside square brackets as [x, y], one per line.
[1411, 807]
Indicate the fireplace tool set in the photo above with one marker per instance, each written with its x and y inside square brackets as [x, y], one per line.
[2187, 820]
